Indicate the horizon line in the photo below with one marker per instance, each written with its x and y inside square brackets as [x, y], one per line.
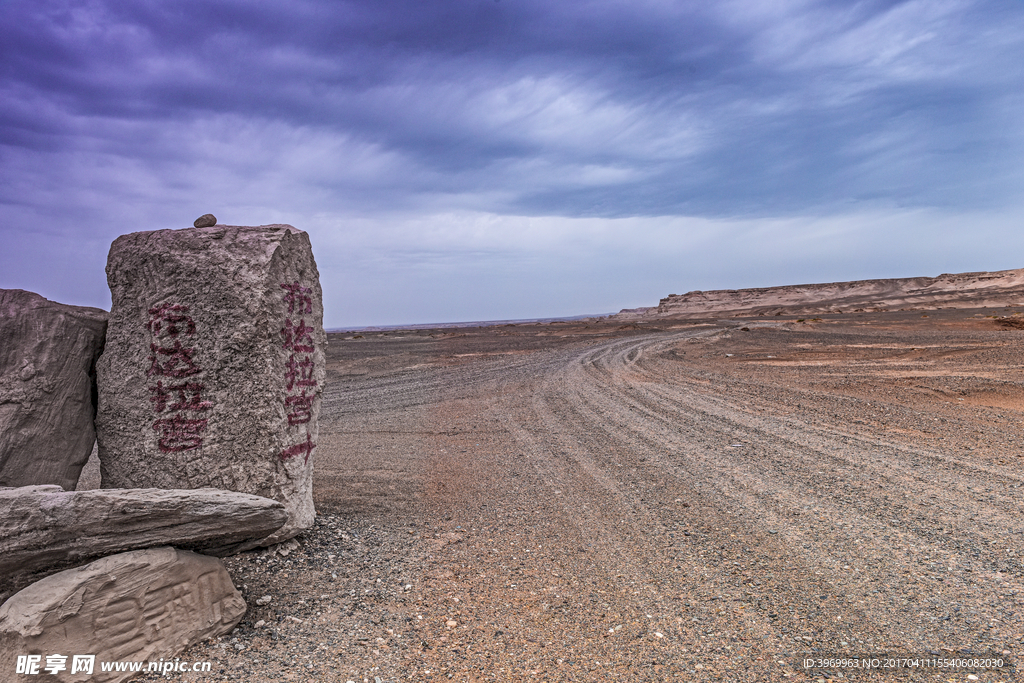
[468, 323]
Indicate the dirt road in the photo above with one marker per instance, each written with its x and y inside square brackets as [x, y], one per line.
[695, 502]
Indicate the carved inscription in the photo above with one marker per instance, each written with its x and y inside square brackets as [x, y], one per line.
[299, 381]
[179, 404]
[299, 449]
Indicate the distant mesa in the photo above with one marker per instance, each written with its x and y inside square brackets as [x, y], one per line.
[207, 220]
[960, 290]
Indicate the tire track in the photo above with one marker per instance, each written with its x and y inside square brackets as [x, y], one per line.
[832, 510]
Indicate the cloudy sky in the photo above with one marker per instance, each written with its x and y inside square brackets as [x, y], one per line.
[494, 159]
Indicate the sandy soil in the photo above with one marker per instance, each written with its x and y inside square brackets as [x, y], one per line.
[670, 501]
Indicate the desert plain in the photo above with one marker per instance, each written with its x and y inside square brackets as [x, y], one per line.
[698, 500]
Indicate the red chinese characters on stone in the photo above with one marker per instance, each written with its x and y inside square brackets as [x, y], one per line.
[172, 362]
[165, 318]
[299, 372]
[299, 369]
[189, 397]
[179, 434]
[301, 408]
[183, 430]
[298, 337]
[299, 449]
[298, 297]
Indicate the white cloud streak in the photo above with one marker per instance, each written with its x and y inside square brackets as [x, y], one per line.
[493, 160]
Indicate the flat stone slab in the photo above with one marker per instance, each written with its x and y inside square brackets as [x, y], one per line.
[214, 364]
[43, 527]
[48, 353]
[139, 606]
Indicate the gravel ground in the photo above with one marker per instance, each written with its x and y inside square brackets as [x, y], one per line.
[671, 501]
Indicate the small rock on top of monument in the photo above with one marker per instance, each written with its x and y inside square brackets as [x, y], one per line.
[207, 220]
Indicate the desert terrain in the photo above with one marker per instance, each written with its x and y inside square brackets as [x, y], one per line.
[698, 500]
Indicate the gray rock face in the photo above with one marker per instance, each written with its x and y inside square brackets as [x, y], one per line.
[48, 353]
[43, 526]
[207, 220]
[214, 364]
[139, 606]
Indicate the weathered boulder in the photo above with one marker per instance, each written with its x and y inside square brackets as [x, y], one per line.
[43, 526]
[139, 606]
[214, 364]
[207, 220]
[48, 354]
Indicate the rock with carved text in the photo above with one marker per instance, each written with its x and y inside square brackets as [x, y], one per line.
[139, 606]
[214, 364]
[48, 353]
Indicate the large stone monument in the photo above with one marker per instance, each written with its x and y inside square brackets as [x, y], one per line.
[48, 353]
[214, 364]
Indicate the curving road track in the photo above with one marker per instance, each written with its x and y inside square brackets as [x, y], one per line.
[651, 508]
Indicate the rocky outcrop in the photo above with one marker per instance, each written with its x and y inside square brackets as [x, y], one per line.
[47, 382]
[214, 364]
[140, 606]
[43, 526]
[962, 290]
